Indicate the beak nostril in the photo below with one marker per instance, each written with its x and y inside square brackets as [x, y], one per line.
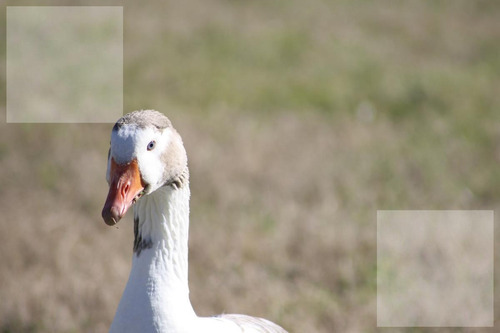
[126, 188]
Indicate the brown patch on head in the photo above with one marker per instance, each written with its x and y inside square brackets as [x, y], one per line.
[144, 118]
[175, 161]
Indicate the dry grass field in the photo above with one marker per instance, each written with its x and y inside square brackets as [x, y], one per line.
[301, 119]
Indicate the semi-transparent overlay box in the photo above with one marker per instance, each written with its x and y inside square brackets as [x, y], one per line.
[435, 268]
[64, 64]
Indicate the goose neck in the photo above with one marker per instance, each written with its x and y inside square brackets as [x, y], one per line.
[159, 275]
[161, 226]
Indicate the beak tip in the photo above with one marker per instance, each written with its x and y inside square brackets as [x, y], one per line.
[111, 215]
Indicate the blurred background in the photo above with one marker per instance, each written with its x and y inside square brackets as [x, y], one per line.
[301, 119]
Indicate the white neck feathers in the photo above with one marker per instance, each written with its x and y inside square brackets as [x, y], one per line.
[156, 298]
[161, 222]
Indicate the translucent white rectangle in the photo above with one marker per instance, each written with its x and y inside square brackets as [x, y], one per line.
[435, 268]
[64, 64]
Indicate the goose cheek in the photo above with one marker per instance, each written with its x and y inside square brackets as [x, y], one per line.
[126, 186]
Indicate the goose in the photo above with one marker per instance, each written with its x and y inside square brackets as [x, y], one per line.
[147, 169]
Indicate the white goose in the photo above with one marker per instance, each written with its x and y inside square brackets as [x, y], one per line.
[147, 165]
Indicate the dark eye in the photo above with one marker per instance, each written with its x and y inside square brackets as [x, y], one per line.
[151, 145]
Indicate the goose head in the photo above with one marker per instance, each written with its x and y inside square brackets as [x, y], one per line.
[146, 153]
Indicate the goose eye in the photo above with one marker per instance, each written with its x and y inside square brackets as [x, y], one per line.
[151, 145]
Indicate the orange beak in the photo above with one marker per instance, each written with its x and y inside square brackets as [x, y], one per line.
[125, 188]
